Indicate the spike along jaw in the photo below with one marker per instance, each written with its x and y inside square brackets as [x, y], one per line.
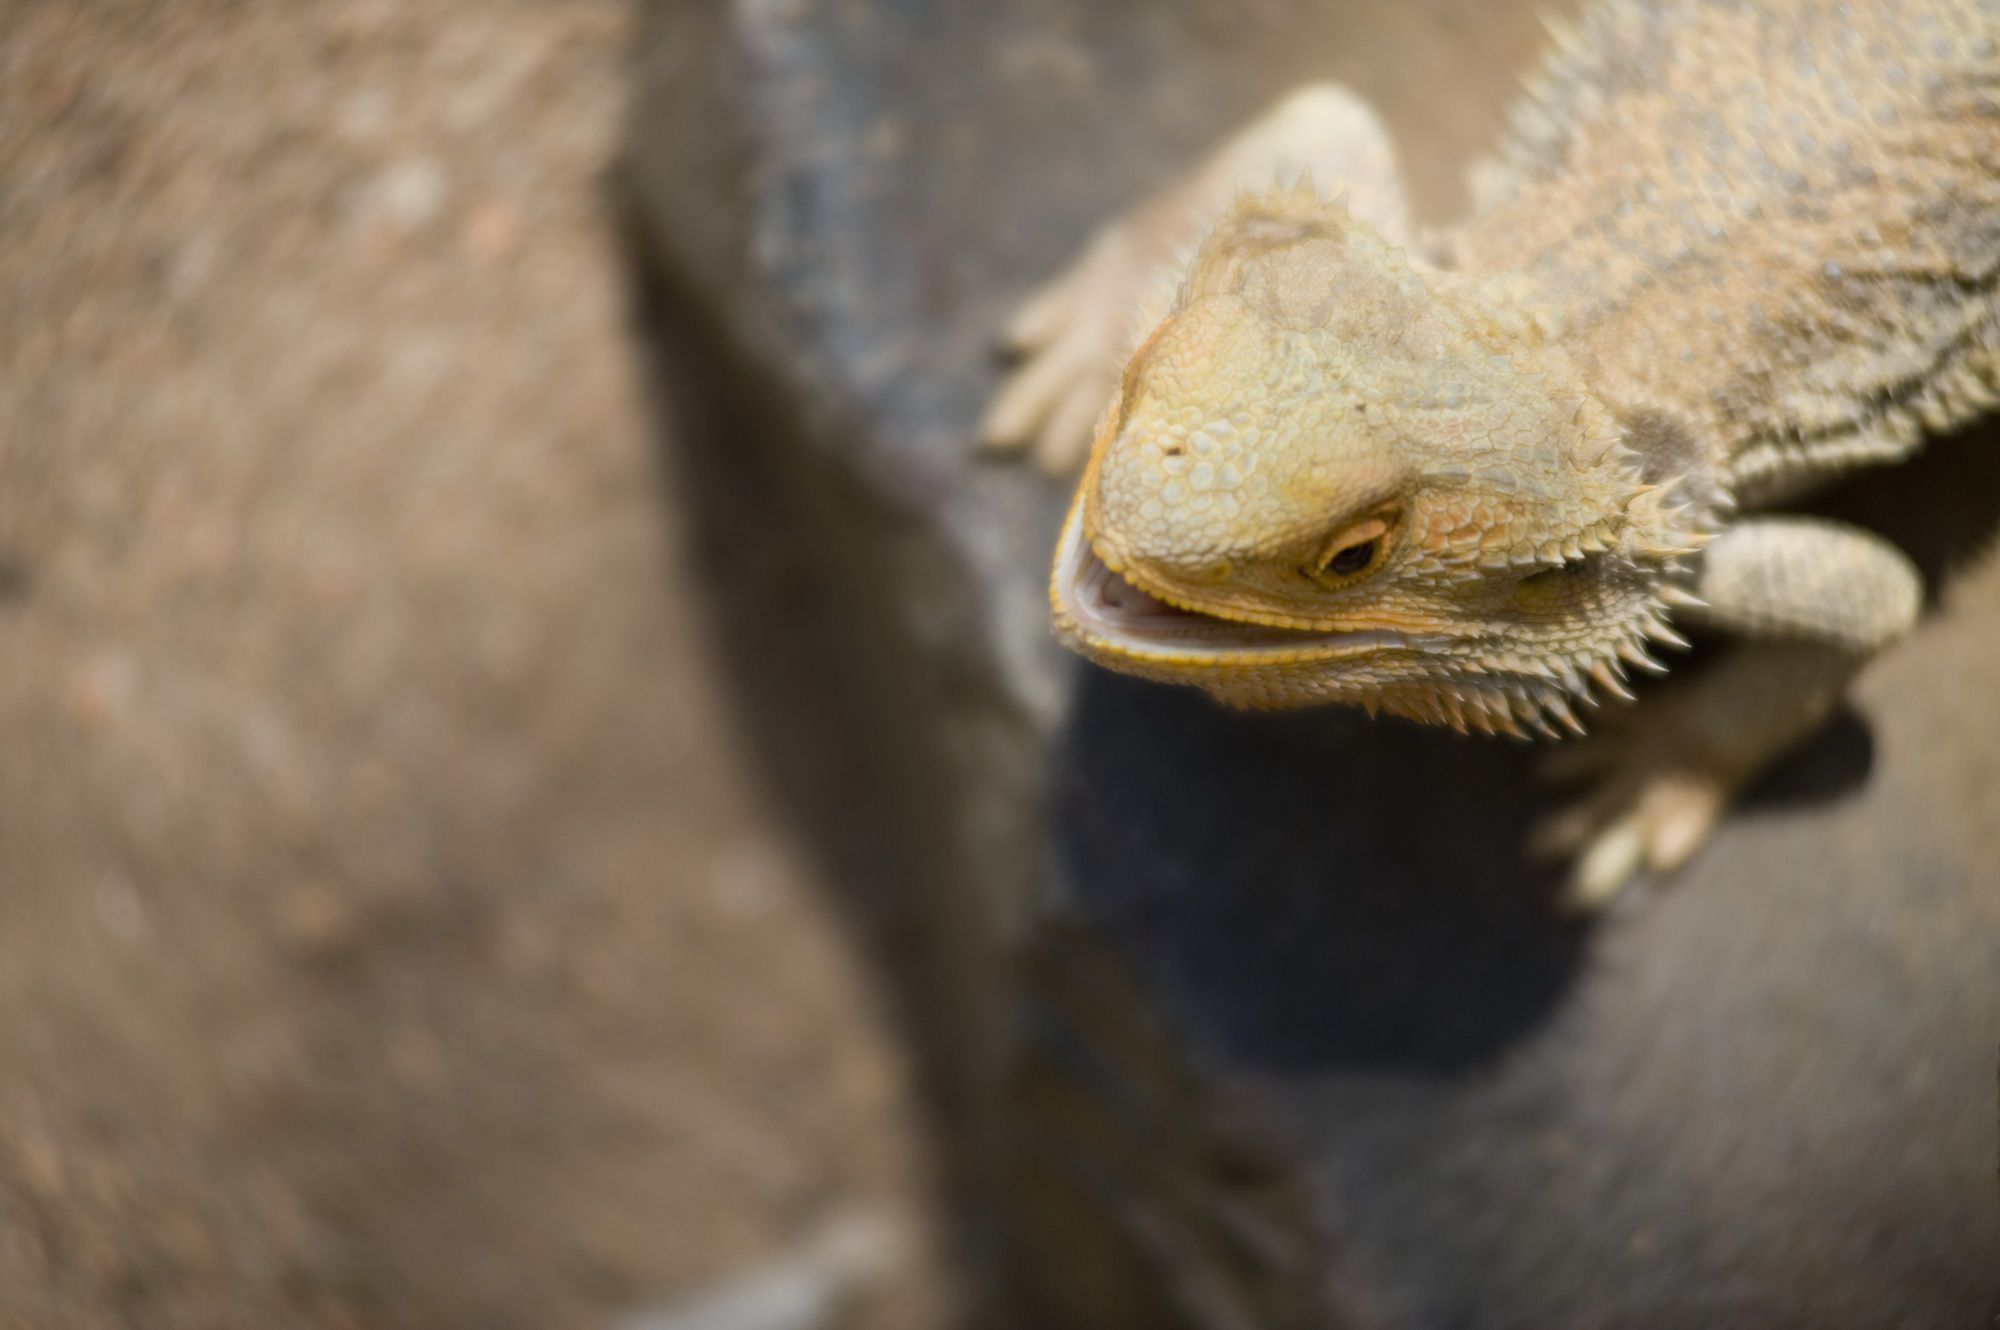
[1329, 477]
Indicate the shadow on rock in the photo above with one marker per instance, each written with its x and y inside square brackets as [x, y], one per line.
[1314, 890]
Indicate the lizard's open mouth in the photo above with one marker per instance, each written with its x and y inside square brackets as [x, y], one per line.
[1103, 613]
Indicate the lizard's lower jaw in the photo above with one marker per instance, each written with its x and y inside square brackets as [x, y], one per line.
[1103, 616]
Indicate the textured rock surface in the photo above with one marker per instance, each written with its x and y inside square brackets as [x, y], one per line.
[380, 880]
[1260, 1021]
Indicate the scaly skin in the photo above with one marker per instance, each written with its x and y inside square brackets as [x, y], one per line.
[1729, 251]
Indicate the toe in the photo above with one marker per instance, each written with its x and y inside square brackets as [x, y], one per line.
[1605, 865]
[1066, 435]
[1026, 398]
[1042, 315]
[1679, 816]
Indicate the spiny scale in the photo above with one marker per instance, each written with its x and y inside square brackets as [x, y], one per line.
[1541, 695]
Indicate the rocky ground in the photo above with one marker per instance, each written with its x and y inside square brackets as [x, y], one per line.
[390, 934]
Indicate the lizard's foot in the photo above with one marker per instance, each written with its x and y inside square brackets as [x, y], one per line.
[1824, 597]
[1071, 337]
[1655, 798]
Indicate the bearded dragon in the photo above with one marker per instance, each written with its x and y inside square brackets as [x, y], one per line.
[1729, 249]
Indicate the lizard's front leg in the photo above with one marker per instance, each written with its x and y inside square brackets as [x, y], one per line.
[1075, 334]
[1818, 600]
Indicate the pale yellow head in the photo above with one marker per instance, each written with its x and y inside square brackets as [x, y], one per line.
[1328, 475]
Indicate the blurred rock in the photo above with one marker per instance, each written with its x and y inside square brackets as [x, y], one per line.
[363, 762]
[403, 197]
[1262, 1021]
[808, 1290]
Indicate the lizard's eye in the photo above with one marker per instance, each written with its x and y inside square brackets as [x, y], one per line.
[1354, 550]
[1352, 559]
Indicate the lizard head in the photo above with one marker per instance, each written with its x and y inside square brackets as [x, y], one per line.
[1329, 476]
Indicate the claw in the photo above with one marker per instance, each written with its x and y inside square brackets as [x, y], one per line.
[1681, 814]
[1654, 804]
[1611, 858]
[1068, 430]
[1041, 316]
[1025, 401]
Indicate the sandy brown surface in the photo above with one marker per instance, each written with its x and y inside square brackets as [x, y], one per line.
[389, 933]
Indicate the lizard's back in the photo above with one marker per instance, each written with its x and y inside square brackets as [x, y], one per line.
[1774, 225]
